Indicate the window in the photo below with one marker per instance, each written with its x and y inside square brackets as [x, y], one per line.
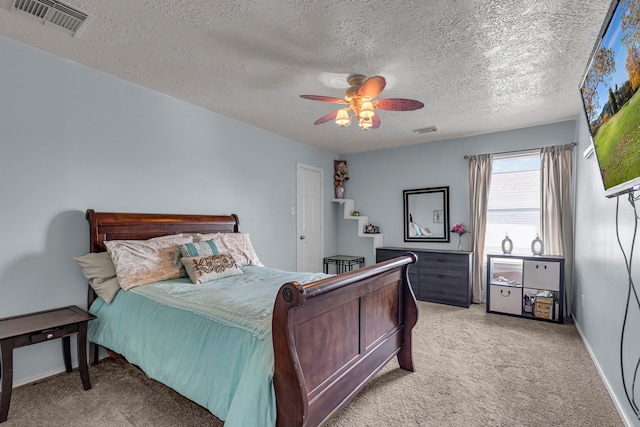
[514, 202]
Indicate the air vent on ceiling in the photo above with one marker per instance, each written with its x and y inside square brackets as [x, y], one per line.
[429, 129]
[52, 12]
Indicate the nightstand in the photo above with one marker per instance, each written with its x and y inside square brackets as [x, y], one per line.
[343, 263]
[21, 331]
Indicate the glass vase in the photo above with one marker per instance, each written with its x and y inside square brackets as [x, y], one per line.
[339, 191]
[460, 248]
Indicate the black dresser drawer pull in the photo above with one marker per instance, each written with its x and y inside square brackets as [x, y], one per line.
[503, 294]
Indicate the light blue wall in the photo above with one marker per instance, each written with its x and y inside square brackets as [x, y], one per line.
[378, 178]
[73, 138]
[601, 281]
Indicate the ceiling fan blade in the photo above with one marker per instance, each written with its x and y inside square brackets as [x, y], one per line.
[329, 117]
[372, 87]
[398, 104]
[323, 98]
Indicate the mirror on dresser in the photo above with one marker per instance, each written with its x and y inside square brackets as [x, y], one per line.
[426, 215]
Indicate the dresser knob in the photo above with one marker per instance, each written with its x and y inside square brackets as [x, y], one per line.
[49, 336]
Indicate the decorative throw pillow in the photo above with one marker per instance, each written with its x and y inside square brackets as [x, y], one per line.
[190, 250]
[211, 267]
[99, 270]
[139, 262]
[238, 245]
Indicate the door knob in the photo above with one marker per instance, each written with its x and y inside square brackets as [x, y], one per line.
[301, 237]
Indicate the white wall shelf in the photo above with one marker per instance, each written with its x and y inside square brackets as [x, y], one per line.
[349, 206]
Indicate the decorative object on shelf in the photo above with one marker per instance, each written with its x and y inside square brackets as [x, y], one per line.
[536, 245]
[340, 175]
[507, 245]
[371, 229]
[355, 213]
[529, 303]
[459, 229]
[502, 279]
[544, 307]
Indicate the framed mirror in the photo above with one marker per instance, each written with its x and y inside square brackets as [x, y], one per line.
[426, 215]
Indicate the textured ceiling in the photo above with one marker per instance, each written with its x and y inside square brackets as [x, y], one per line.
[478, 66]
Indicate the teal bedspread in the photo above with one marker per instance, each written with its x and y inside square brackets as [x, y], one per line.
[209, 342]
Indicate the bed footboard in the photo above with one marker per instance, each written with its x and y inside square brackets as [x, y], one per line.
[332, 336]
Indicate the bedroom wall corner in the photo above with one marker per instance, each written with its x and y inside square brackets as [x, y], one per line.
[75, 138]
[601, 283]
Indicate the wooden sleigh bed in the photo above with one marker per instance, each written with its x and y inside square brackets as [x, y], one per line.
[330, 337]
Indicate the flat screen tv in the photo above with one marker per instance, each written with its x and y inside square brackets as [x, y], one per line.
[611, 99]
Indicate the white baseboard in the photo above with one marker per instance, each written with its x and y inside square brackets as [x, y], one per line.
[41, 376]
[616, 402]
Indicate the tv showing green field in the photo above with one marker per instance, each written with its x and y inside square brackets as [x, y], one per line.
[611, 100]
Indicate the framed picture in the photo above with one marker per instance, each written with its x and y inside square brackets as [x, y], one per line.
[438, 216]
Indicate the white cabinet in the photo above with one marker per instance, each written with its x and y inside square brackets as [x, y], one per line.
[529, 286]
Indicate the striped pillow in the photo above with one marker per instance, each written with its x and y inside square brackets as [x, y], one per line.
[191, 250]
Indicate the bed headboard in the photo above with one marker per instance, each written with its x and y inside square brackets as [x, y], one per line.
[135, 226]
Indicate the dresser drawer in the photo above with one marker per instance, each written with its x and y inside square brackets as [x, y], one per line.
[505, 299]
[387, 254]
[445, 293]
[384, 255]
[445, 261]
[453, 278]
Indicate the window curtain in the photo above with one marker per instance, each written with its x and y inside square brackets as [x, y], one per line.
[479, 183]
[556, 212]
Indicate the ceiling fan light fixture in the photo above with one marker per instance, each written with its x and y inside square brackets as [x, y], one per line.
[361, 100]
[366, 111]
[342, 118]
[365, 124]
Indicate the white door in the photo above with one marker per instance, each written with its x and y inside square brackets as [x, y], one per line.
[309, 218]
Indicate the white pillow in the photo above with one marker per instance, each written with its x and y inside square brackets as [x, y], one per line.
[99, 270]
[238, 245]
[139, 262]
[210, 267]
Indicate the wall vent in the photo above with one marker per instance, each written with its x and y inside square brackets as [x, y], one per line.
[52, 12]
[429, 129]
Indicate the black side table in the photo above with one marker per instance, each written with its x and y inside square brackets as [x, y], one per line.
[21, 331]
[343, 263]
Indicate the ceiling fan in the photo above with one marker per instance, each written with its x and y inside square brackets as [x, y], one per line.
[360, 100]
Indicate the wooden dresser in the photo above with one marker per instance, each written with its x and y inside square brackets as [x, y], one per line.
[441, 276]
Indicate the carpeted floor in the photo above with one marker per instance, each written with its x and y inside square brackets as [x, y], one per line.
[472, 369]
